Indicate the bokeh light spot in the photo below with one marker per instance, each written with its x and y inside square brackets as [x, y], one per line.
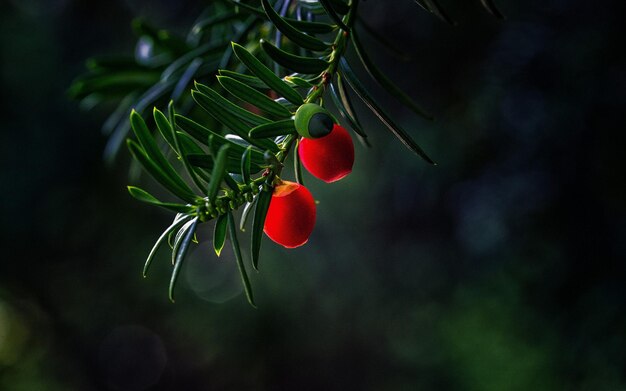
[211, 278]
[14, 334]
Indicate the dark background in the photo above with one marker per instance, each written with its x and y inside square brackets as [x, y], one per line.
[502, 268]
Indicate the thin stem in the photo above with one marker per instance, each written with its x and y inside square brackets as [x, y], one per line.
[339, 47]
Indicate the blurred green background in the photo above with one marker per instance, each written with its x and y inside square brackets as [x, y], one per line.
[502, 268]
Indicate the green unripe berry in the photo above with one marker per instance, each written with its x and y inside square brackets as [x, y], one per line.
[313, 121]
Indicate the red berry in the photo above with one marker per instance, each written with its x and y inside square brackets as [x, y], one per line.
[291, 215]
[328, 158]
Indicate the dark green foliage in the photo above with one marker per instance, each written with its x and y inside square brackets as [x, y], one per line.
[179, 251]
[260, 211]
[232, 230]
[219, 234]
[380, 113]
[278, 128]
[234, 129]
[294, 62]
[266, 75]
[333, 15]
[254, 97]
[383, 80]
[298, 37]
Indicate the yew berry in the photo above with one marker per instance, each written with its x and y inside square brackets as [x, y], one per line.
[291, 215]
[328, 158]
[313, 121]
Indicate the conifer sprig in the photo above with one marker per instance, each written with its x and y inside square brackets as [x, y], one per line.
[223, 101]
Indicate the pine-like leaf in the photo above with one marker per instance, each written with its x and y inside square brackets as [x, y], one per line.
[340, 6]
[153, 152]
[264, 73]
[148, 198]
[383, 80]
[333, 14]
[180, 251]
[155, 171]
[245, 214]
[224, 105]
[232, 230]
[165, 128]
[491, 7]
[176, 224]
[246, 165]
[250, 81]
[215, 106]
[312, 27]
[254, 97]
[297, 164]
[400, 133]
[296, 36]
[433, 7]
[258, 221]
[278, 128]
[307, 65]
[344, 111]
[219, 234]
[218, 172]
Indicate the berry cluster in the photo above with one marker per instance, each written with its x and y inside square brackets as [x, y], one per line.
[327, 152]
